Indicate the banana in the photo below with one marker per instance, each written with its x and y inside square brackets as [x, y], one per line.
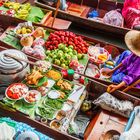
[23, 30]
[22, 12]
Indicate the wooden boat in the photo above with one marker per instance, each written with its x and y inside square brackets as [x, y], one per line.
[47, 20]
[103, 6]
[115, 50]
[99, 118]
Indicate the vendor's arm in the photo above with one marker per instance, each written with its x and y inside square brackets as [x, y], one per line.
[129, 79]
[120, 65]
[113, 88]
[109, 72]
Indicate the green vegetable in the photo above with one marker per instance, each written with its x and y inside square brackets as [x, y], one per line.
[56, 104]
[45, 112]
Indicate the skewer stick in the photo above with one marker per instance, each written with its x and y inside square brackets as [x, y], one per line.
[55, 14]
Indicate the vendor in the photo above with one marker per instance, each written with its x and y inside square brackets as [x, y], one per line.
[63, 5]
[131, 13]
[128, 71]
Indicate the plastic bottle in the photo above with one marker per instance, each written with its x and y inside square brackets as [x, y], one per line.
[70, 74]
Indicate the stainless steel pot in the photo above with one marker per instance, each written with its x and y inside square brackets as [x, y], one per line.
[12, 70]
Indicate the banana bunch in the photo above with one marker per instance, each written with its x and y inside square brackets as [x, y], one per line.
[24, 30]
[12, 5]
[23, 12]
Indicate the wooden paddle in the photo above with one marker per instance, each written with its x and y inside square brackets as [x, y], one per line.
[131, 86]
[82, 2]
[98, 4]
[56, 11]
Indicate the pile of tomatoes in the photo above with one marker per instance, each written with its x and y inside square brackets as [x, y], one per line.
[68, 38]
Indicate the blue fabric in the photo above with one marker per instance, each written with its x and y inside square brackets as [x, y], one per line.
[117, 77]
[93, 14]
[122, 57]
[24, 127]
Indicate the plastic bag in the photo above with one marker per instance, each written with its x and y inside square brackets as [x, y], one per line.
[110, 103]
[134, 131]
[113, 17]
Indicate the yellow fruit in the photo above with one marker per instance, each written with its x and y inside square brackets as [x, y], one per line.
[28, 30]
[18, 31]
[24, 30]
[110, 63]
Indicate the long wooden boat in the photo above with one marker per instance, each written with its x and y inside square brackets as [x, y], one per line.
[47, 20]
[5, 22]
[99, 118]
[104, 6]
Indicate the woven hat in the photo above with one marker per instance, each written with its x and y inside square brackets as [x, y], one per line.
[132, 40]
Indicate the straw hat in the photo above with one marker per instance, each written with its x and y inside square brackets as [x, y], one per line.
[132, 40]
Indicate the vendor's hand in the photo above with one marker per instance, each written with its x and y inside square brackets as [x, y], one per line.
[112, 88]
[107, 72]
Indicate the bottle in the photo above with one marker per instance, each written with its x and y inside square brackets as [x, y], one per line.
[70, 74]
[64, 74]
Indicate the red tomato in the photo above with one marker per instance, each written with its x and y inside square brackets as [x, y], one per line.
[56, 32]
[79, 51]
[10, 94]
[51, 47]
[54, 39]
[63, 33]
[66, 39]
[62, 38]
[15, 96]
[72, 35]
[75, 42]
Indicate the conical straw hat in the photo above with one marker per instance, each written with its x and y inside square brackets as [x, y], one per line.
[132, 40]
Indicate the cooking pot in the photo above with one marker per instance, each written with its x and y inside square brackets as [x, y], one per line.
[12, 70]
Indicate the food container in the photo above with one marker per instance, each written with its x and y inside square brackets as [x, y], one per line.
[60, 115]
[28, 135]
[98, 54]
[103, 76]
[55, 124]
[92, 71]
[12, 70]
[53, 94]
[16, 91]
[26, 25]
[67, 107]
[46, 112]
[32, 97]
